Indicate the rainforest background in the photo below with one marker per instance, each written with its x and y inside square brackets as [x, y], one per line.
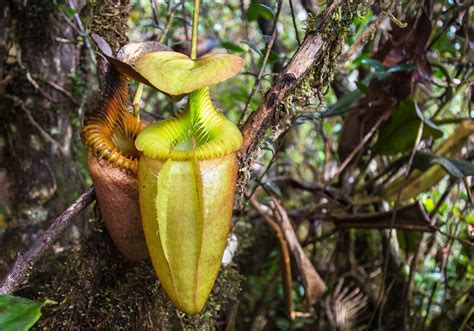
[354, 207]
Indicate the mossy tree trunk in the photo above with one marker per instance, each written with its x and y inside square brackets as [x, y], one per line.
[38, 109]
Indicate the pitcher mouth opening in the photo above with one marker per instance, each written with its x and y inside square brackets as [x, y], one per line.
[116, 144]
[110, 130]
[199, 132]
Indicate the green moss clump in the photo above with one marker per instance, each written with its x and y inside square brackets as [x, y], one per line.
[333, 30]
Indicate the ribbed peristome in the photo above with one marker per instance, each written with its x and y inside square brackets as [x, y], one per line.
[110, 131]
[200, 132]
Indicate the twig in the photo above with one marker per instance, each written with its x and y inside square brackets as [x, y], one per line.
[428, 308]
[362, 143]
[275, 153]
[63, 148]
[19, 271]
[185, 20]
[62, 90]
[459, 9]
[83, 32]
[315, 188]
[294, 72]
[169, 22]
[156, 22]
[37, 87]
[454, 237]
[356, 46]
[414, 261]
[285, 255]
[392, 223]
[295, 26]
[313, 283]
[268, 48]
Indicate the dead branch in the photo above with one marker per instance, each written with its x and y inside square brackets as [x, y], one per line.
[314, 284]
[19, 271]
[291, 75]
[300, 64]
[285, 255]
[315, 188]
[360, 42]
[412, 217]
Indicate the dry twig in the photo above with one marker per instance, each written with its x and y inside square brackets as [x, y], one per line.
[19, 271]
[285, 255]
[314, 284]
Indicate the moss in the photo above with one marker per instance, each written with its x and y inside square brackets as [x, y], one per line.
[333, 31]
[109, 20]
[101, 289]
[316, 83]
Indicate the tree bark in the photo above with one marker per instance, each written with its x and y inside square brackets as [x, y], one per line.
[39, 61]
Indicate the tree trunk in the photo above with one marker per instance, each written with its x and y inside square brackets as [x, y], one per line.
[40, 61]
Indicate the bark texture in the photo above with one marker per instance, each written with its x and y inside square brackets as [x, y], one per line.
[39, 64]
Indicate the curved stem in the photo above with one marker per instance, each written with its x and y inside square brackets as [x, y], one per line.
[195, 29]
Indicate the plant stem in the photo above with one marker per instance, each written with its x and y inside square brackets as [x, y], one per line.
[136, 100]
[195, 29]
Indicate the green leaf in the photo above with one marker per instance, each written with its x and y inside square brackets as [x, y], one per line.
[232, 47]
[456, 168]
[402, 67]
[257, 10]
[175, 73]
[343, 105]
[18, 313]
[375, 64]
[252, 47]
[69, 11]
[400, 133]
[363, 88]
[379, 69]
[469, 218]
[408, 240]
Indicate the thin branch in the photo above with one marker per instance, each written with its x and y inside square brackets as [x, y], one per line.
[359, 147]
[454, 237]
[295, 26]
[294, 72]
[313, 283]
[63, 148]
[83, 32]
[380, 303]
[362, 39]
[37, 87]
[61, 89]
[168, 24]
[154, 10]
[268, 48]
[185, 20]
[315, 188]
[285, 255]
[19, 271]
